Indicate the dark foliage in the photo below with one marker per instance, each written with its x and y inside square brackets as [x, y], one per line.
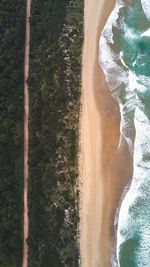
[54, 82]
[12, 29]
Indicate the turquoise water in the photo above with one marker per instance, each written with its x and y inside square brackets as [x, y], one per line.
[125, 59]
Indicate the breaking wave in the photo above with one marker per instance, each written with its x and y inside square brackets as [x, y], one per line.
[125, 59]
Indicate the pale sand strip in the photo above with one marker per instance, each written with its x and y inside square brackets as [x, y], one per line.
[104, 170]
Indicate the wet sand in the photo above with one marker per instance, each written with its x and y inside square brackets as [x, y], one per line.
[105, 169]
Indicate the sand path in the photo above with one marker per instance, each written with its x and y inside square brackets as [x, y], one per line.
[103, 170]
[26, 136]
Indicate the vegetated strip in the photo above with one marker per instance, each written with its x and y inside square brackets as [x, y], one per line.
[12, 39]
[54, 82]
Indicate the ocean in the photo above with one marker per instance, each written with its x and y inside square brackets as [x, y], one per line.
[124, 55]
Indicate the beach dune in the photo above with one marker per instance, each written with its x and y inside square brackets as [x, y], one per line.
[104, 171]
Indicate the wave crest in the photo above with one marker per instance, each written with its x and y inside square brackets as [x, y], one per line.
[125, 59]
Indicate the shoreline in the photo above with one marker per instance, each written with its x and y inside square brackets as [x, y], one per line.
[101, 163]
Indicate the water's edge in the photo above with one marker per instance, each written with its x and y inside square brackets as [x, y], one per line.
[124, 57]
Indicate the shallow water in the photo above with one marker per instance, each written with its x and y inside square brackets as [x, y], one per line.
[125, 59]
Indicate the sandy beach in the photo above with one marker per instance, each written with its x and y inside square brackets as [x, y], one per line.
[103, 166]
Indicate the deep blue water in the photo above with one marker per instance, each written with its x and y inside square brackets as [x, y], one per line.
[125, 59]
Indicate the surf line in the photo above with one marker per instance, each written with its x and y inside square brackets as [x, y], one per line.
[26, 136]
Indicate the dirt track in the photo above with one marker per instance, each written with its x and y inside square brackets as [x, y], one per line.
[26, 137]
[103, 167]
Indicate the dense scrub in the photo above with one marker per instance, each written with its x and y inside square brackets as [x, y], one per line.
[12, 29]
[54, 84]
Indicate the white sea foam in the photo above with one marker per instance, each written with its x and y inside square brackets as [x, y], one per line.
[130, 90]
[146, 8]
[147, 33]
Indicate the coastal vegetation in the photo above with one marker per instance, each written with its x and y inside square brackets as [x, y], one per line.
[54, 86]
[54, 89]
[12, 31]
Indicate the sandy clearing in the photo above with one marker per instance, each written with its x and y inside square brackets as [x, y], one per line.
[103, 168]
[26, 137]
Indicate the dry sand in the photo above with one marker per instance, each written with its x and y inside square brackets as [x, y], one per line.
[104, 170]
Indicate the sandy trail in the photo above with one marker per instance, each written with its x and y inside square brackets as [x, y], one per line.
[103, 167]
[26, 136]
